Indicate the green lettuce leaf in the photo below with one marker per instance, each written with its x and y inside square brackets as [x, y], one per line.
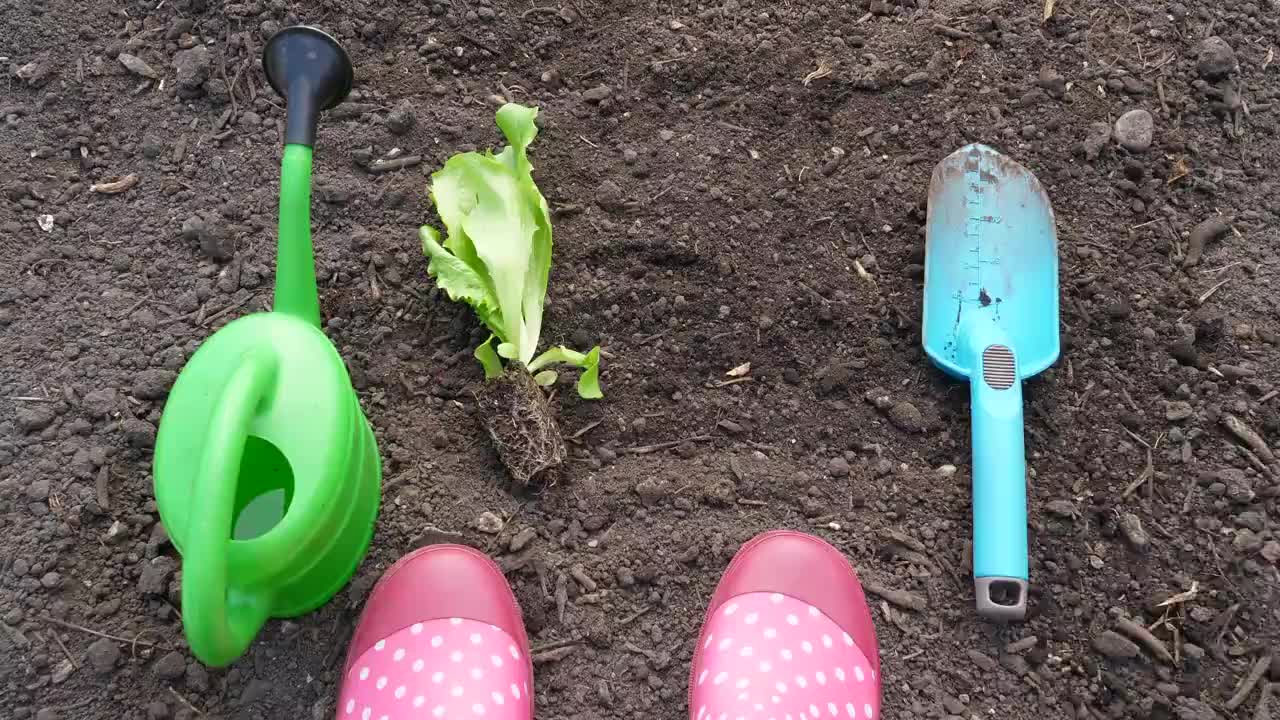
[588, 382]
[496, 256]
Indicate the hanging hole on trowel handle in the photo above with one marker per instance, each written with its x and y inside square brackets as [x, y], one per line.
[1001, 599]
[264, 489]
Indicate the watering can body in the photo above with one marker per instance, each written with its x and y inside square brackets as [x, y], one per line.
[267, 477]
[267, 474]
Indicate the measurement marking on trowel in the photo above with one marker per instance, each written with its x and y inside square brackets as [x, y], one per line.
[975, 290]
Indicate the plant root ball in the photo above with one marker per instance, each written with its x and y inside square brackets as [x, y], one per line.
[522, 426]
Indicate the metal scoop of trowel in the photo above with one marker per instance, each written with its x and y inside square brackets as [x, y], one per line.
[991, 317]
[266, 472]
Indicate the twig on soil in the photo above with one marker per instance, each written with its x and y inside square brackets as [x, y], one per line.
[1209, 293]
[1148, 473]
[72, 626]
[1219, 626]
[65, 651]
[952, 33]
[660, 63]
[634, 616]
[114, 187]
[646, 449]
[478, 43]
[901, 598]
[1186, 500]
[1247, 436]
[1250, 681]
[1262, 711]
[539, 11]
[1144, 636]
[400, 163]
[588, 428]
[225, 310]
[185, 701]
[102, 486]
[28, 398]
[1129, 399]
[556, 655]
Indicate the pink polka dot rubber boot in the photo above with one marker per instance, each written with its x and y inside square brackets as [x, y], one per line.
[788, 636]
[441, 636]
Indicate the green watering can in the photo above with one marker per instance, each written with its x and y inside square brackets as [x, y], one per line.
[267, 475]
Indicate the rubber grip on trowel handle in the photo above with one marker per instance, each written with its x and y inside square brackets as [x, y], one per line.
[999, 483]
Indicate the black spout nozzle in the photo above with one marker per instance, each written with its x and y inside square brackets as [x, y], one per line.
[312, 72]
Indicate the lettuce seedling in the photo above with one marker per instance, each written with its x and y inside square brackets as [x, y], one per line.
[496, 255]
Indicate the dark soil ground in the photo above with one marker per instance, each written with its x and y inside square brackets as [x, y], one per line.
[704, 219]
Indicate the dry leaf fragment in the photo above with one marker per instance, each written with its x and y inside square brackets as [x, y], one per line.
[1183, 596]
[1049, 6]
[115, 187]
[740, 371]
[823, 70]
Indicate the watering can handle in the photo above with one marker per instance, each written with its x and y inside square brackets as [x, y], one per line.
[999, 481]
[221, 621]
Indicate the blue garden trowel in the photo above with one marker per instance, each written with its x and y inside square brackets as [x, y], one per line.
[991, 317]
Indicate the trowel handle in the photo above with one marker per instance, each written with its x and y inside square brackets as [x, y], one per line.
[220, 621]
[999, 485]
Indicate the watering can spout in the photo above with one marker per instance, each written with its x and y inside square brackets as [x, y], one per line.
[312, 72]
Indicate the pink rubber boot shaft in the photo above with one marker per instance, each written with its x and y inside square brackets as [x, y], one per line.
[788, 634]
[440, 637]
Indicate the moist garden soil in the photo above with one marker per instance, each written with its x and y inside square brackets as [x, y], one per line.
[733, 182]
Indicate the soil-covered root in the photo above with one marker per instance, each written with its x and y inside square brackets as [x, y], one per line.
[522, 426]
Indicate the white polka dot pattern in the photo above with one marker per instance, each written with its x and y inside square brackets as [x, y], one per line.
[767, 655]
[467, 675]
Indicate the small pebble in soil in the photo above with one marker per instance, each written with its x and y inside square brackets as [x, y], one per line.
[489, 523]
[838, 467]
[982, 660]
[1215, 59]
[1178, 410]
[170, 667]
[1052, 82]
[103, 655]
[597, 94]
[139, 433]
[1097, 139]
[34, 419]
[402, 119]
[1131, 526]
[906, 417]
[192, 68]
[197, 677]
[152, 384]
[1134, 130]
[154, 579]
[522, 539]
